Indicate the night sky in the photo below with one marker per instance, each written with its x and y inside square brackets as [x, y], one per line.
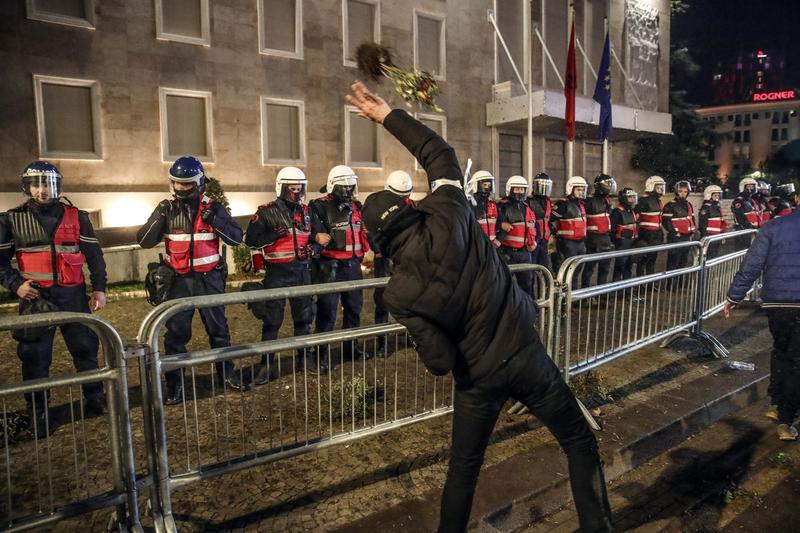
[718, 31]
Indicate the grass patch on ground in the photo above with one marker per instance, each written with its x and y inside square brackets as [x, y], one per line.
[591, 388]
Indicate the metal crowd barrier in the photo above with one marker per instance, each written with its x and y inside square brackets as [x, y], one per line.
[47, 478]
[217, 431]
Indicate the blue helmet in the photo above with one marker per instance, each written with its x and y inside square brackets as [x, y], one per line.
[187, 169]
[42, 173]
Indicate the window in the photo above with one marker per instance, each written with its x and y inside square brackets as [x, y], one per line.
[362, 140]
[730, 118]
[280, 28]
[746, 136]
[737, 137]
[767, 114]
[775, 117]
[555, 163]
[437, 123]
[184, 21]
[785, 117]
[429, 43]
[755, 116]
[784, 134]
[774, 134]
[186, 127]
[737, 121]
[710, 155]
[510, 160]
[68, 118]
[361, 23]
[747, 119]
[736, 166]
[592, 160]
[282, 131]
[70, 12]
[746, 151]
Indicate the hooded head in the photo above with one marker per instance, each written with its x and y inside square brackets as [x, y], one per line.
[385, 215]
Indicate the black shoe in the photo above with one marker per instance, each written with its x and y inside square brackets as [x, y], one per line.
[174, 394]
[235, 382]
[41, 426]
[380, 351]
[352, 351]
[95, 406]
[264, 375]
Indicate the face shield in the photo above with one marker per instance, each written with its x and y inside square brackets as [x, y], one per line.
[542, 187]
[43, 189]
[629, 199]
[292, 193]
[485, 188]
[579, 191]
[519, 193]
[607, 186]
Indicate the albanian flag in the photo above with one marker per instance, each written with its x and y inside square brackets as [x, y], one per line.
[570, 84]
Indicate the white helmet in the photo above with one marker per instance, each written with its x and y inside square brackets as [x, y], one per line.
[476, 178]
[517, 181]
[748, 181]
[655, 182]
[711, 190]
[399, 182]
[290, 176]
[344, 176]
[764, 187]
[574, 182]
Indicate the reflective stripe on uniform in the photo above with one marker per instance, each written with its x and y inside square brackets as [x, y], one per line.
[185, 237]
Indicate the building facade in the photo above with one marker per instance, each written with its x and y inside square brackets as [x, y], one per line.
[755, 131]
[112, 91]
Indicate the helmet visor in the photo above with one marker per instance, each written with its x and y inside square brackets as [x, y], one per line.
[542, 187]
[579, 191]
[43, 188]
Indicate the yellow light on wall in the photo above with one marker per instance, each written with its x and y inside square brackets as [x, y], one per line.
[126, 211]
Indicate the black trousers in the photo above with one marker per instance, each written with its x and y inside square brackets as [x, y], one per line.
[531, 378]
[380, 270]
[179, 327]
[539, 256]
[352, 301]
[82, 344]
[646, 263]
[678, 258]
[713, 249]
[596, 243]
[784, 324]
[278, 275]
[565, 249]
[520, 256]
[623, 265]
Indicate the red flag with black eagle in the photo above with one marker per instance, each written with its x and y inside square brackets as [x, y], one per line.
[570, 84]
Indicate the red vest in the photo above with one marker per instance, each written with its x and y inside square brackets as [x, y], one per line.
[628, 229]
[715, 223]
[572, 228]
[784, 212]
[523, 232]
[651, 220]
[685, 225]
[489, 220]
[599, 223]
[286, 249]
[543, 219]
[350, 236]
[197, 251]
[36, 262]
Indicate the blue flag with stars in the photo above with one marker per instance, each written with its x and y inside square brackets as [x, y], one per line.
[602, 92]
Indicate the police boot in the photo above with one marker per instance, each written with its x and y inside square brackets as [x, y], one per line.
[234, 381]
[264, 375]
[95, 405]
[380, 349]
[174, 394]
[42, 424]
[351, 350]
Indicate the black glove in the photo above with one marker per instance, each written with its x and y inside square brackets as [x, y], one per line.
[307, 252]
[163, 208]
[208, 216]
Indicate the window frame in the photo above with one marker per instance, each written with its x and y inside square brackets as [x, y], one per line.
[301, 120]
[163, 93]
[97, 123]
[88, 23]
[442, 39]
[299, 52]
[205, 26]
[433, 117]
[348, 110]
[376, 30]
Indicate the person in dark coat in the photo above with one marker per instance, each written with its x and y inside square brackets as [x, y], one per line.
[467, 316]
[774, 256]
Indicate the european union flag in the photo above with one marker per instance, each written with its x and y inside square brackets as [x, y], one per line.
[602, 92]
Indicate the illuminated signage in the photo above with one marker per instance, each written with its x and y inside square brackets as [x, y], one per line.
[775, 95]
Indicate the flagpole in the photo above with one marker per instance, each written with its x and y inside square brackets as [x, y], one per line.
[570, 142]
[527, 11]
[605, 141]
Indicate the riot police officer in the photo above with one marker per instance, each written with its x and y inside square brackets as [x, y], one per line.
[650, 234]
[517, 234]
[51, 241]
[624, 231]
[782, 203]
[677, 217]
[598, 227]
[711, 221]
[746, 212]
[542, 208]
[479, 191]
[399, 182]
[344, 242]
[569, 221]
[191, 225]
[282, 233]
[761, 198]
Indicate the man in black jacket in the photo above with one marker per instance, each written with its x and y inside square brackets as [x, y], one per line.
[459, 302]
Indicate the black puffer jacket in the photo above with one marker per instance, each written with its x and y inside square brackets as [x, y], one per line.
[449, 286]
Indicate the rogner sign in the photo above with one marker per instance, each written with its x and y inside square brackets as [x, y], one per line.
[775, 95]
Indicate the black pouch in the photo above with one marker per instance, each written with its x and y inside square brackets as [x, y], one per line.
[259, 309]
[34, 307]
[323, 270]
[158, 282]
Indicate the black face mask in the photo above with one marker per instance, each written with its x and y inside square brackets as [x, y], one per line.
[342, 194]
[290, 197]
[187, 194]
[518, 196]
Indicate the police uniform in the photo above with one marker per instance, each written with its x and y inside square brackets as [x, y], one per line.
[285, 258]
[746, 215]
[51, 243]
[485, 210]
[711, 222]
[569, 221]
[598, 237]
[515, 244]
[648, 210]
[340, 261]
[193, 252]
[677, 218]
[624, 231]
[778, 207]
[542, 209]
